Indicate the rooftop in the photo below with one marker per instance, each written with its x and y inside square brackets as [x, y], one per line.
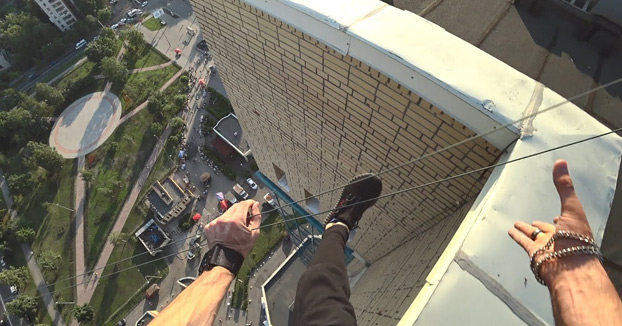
[228, 128]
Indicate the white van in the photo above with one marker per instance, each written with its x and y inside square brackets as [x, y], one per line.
[80, 44]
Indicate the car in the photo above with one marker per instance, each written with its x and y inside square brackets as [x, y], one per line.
[202, 117]
[190, 255]
[122, 322]
[114, 2]
[13, 289]
[114, 26]
[251, 183]
[268, 198]
[80, 44]
[2, 262]
[144, 4]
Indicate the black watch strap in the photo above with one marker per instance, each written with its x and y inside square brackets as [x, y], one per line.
[222, 256]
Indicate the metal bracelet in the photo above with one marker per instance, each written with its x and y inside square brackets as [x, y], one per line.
[577, 250]
[560, 234]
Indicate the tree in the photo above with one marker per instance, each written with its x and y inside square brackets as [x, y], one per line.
[25, 35]
[117, 238]
[15, 276]
[19, 125]
[104, 15]
[114, 70]
[87, 175]
[20, 184]
[157, 100]
[22, 306]
[135, 42]
[177, 124]
[49, 261]
[86, 6]
[49, 94]
[155, 128]
[44, 156]
[107, 32]
[25, 235]
[83, 313]
[99, 49]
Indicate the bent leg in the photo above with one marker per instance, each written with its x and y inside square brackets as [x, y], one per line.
[322, 296]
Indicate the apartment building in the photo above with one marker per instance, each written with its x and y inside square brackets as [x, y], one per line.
[325, 90]
[58, 12]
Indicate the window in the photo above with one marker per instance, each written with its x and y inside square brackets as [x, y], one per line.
[312, 203]
[282, 178]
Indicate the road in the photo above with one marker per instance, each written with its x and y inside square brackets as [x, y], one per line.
[42, 75]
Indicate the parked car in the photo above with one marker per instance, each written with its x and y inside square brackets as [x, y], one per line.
[190, 255]
[144, 4]
[122, 322]
[114, 2]
[114, 26]
[268, 198]
[13, 289]
[240, 191]
[251, 183]
[80, 44]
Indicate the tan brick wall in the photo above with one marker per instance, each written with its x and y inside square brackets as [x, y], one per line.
[322, 117]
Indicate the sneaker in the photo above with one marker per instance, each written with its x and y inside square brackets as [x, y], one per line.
[356, 197]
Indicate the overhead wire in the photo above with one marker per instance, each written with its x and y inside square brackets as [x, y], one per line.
[464, 141]
[397, 192]
[425, 156]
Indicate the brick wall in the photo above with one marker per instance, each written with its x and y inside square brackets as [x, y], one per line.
[322, 117]
[388, 287]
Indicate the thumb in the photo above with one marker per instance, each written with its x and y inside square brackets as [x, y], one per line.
[565, 188]
[255, 220]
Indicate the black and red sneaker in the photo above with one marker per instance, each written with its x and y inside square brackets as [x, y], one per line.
[357, 196]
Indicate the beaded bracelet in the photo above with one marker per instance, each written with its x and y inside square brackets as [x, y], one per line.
[577, 250]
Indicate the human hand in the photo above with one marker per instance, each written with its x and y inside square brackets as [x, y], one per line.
[572, 218]
[234, 229]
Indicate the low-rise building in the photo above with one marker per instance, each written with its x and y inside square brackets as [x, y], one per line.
[152, 237]
[167, 199]
[58, 12]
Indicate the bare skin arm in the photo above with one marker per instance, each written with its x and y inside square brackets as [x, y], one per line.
[581, 291]
[198, 304]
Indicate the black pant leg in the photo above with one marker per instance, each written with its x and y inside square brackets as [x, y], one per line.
[322, 296]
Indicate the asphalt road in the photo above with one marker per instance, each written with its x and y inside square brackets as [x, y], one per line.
[42, 75]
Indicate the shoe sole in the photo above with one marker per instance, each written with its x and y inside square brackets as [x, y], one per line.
[353, 180]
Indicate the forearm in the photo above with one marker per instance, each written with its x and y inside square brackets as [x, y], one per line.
[198, 304]
[582, 293]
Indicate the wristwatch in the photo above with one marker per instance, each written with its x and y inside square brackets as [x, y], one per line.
[222, 256]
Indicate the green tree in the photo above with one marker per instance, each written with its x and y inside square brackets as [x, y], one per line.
[99, 49]
[157, 100]
[86, 6]
[22, 306]
[15, 276]
[49, 94]
[135, 42]
[83, 313]
[177, 124]
[87, 175]
[107, 32]
[114, 70]
[25, 35]
[44, 156]
[19, 125]
[49, 261]
[25, 235]
[156, 128]
[104, 15]
[20, 184]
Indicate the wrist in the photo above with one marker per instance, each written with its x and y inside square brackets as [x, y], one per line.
[217, 274]
[570, 270]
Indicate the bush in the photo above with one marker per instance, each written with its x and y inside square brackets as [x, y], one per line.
[187, 222]
[183, 80]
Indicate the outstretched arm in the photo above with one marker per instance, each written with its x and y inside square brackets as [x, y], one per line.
[198, 304]
[581, 291]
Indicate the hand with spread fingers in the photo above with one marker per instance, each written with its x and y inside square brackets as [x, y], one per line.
[565, 258]
[237, 228]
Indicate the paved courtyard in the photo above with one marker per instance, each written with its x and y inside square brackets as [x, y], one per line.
[86, 124]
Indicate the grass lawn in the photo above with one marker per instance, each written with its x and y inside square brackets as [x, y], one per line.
[153, 24]
[268, 238]
[148, 58]
[85, 69]
[83, 74]
[115, 296]
[116, 166]
[54, 234]
[42, 317]
[141, 85]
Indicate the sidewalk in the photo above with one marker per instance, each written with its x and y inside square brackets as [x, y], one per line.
[79, 191]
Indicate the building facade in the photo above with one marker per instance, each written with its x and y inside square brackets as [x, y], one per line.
[58, 12]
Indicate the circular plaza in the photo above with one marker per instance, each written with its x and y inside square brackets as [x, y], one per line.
[86, 124]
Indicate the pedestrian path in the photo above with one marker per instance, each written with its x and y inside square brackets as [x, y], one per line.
[79, 199]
